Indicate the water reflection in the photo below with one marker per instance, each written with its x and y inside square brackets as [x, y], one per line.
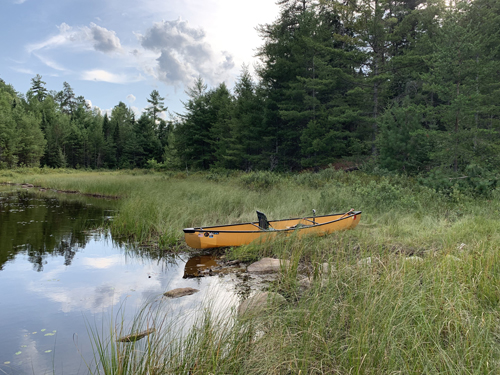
[44, 226]
[196, 265]
[83, 278]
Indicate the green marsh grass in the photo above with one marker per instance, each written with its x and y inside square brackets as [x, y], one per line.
[427, 303]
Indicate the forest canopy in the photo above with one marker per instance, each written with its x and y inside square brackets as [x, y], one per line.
[412, 86]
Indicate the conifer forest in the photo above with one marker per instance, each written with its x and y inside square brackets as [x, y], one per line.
[403, 86]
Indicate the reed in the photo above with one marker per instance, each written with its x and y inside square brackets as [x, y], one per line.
[427, 301]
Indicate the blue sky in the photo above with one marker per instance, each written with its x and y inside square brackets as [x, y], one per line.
[120, 50]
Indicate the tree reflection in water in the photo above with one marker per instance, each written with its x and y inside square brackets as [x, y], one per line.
[42, 226]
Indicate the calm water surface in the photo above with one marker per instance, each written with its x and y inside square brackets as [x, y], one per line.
[58, 276]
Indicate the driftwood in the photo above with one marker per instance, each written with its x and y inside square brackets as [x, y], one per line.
[136, 336]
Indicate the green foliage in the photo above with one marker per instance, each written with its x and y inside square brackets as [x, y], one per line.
[475, 181]
[260, 180]
[427, 301]
[413, 84]
[403, 143]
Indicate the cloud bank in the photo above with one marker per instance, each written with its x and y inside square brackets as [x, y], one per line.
[184, 53]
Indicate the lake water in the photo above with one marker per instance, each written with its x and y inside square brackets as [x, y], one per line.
[60, 275]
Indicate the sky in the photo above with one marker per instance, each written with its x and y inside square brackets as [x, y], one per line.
[121, 50]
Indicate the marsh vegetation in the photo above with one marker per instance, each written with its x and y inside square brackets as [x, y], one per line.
[427, 301]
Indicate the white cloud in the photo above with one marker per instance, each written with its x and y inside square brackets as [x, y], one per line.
[25, 71]
[54, 41]
[131, 98]
[101, 263]
[105, 76]
[106, 111]
[136, 110]
[50, 63]
[104, 40]
[100, 38]
[184, 53]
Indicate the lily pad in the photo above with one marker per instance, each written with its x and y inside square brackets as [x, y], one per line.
[34, 333]
[49, 334]
[48, 351]
[6, 363]
[43, 330]
[24, 346]
[19, 352]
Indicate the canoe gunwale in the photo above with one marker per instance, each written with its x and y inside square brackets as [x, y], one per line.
[210, 229]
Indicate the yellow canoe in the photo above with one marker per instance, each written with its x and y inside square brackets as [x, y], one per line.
[263, 230]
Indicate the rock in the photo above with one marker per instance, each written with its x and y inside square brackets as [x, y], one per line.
[260, 302]
[365, 262]
[25, 186]
[414, 259]
[180, 292]
[267, 265]
[136, 336]
[325, 269]
[304, 283]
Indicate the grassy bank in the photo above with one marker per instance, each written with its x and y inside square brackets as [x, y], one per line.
[394, 314]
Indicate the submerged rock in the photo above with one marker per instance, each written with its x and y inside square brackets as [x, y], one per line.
[267, 265]
[260, 302]
[136, 336]
[180, 292]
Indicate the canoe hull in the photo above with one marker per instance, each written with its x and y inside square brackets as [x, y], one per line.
[244, 234]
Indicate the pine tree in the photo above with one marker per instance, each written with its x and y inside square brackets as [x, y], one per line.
[220, 104]
[192, 134]
[38, 89]
[157, 106]
[246, 142]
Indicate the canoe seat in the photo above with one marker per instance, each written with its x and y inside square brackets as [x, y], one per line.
[263, 223]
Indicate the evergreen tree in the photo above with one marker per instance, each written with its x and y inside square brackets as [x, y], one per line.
[284, 56]
[192, 134]
[157, 106]
[38, 89]
[245, 143]
[220, 104]
[404, 144]
[122, 122]
[148, 145]
[460, 69]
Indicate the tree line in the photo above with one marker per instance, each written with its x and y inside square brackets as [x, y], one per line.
[413, 85]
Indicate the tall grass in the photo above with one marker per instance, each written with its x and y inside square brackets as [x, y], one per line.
[426, 302]
[438, 315]
[155, 207]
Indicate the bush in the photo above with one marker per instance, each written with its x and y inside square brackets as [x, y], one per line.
[261, 180]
